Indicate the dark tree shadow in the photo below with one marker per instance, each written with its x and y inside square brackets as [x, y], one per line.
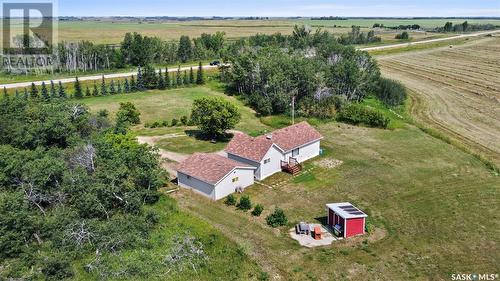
[322, 220]
[197, 134]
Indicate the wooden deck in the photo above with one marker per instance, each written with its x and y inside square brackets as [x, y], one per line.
[292, 166]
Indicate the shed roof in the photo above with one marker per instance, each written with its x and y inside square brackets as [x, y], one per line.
[285, 139]
[209, 167]
[346, 210]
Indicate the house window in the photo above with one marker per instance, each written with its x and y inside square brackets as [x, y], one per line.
[267, 160]
[295, 152]
[236, 179]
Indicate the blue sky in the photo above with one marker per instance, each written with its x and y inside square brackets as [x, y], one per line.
[379, 8]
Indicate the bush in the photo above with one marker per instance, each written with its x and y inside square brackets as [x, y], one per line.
[174, 122]
[391, 92]
[369, 226]
[164, 123]
[277, 218]
[358, 114]
[403, 36]
[257, 210]
[245, 204]
[57, 268]
[184, 120]
[230, 200]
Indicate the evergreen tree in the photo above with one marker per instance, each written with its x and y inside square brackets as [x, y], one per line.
[62, 91]
[78, 93]
[104, 89]
[34, 91]
[161, 81]
[53, 92]
[45, 92]
[174, 81]
[5, 94]
[133, 84]
[87, 91]
[126, 87]
[95, 90]
[191, 76]
[112, 89]
[167, 79]
[199, 76]
[139, 85]
[26, 95]
[178, 77]
[17, 93]
[186, 78]
[119, 89]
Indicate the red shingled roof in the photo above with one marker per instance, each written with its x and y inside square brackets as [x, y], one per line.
[286, 139]
[209, 167]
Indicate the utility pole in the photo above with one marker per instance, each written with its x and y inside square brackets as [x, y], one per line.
[293, 109]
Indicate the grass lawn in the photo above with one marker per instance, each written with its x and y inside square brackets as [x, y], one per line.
[146, 263]
[157, 105]
[435, 209]
[190, 145]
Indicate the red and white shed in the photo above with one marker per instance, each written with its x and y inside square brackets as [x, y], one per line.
[345, 219]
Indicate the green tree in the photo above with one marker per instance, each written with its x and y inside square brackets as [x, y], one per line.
[112, 88]
[119, 88]
[78, 93]
[178, 77]
[95, 90]
[104, 88]
[214, 115]
[161, 81]
[245, 203]
[199, 75]
[230, 200]
[126, 86]
[26, 94]
[87, 91]
[5, 94]
[139, 84]
[45, 92]
[34, 91]
[277, 218]
[133, 84]
[53, 91]
[167, 79]
[257, 210]
[128, 114]
[191, 76]
[186, 78]
[62, 91]
[185, 51]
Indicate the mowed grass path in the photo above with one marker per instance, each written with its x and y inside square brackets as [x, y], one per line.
[437, 206]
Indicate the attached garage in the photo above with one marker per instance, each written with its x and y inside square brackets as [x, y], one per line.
[214, 176]
[345, 219]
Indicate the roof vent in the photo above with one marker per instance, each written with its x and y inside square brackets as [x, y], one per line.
[269, 137]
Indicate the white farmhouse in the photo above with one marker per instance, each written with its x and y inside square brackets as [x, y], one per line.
[280, 150]
[214, 176]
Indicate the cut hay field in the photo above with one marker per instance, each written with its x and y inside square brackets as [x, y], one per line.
[455, 91]
[112, 32]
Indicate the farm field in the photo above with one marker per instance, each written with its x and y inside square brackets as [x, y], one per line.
[112, 32]
[424, 196]
[455, 91]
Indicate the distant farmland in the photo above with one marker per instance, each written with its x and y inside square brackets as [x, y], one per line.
[455, 90]
[112, 31]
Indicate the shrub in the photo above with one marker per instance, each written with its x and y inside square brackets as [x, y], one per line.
[245, 204]
[369, 226]
[57, 268]
[391, 92]
[403, 36]
[277, 218]
[257, 210]
[174, 122]
[358, 114]
[184, 120]
[230, 200]
[164, 123]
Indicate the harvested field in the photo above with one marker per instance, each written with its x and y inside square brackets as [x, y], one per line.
[455, 90]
